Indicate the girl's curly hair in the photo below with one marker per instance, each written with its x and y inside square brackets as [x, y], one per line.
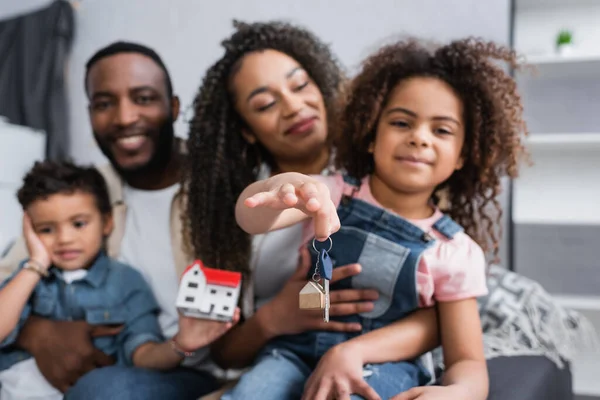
[221, 163]
[493, 123]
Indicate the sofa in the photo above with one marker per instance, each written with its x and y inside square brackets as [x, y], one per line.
[528, 378]
[513, 378]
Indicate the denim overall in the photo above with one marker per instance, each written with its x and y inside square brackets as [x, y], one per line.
[388, 248]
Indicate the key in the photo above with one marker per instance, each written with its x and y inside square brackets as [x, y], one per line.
[326, 308]
[325, 269]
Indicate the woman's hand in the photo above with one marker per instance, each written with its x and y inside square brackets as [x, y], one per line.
[282, 315]
[286, 191]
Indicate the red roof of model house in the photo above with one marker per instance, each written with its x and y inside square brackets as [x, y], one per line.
[217, 276]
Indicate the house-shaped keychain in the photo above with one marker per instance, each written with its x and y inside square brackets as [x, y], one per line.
[208, 293]
[313, 296]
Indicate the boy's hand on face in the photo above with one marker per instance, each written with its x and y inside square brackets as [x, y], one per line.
[196, 333]
[37, 250]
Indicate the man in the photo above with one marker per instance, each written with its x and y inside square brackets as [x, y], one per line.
[132, 110]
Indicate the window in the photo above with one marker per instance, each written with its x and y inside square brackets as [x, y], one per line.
[196, 272]
[228, 294]
[189, 299]
[193, 285]
[213, 291]
[225, 308]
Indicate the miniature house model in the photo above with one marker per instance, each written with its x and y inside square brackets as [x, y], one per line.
[208, 293]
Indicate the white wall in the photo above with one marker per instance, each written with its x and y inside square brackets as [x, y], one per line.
[187, 33]
[13, 8]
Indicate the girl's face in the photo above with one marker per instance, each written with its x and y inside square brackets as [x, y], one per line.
[419, 136]
[281, 105]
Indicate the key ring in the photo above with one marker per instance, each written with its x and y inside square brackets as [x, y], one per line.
[330, 244]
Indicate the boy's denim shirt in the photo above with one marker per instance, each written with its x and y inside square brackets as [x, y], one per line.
[111, 293]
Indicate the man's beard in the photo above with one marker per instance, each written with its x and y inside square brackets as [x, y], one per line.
[159, 160]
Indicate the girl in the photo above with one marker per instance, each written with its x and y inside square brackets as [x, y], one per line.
[267, 106]
[421, 126]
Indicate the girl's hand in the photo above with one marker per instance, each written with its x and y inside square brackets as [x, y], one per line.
[282, 315]
[35, 247]
[339, 374]
[303, 193]
[433, 393]
[196, 333]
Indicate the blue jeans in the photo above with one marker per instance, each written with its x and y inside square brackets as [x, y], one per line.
[280, 374]
[128, 383]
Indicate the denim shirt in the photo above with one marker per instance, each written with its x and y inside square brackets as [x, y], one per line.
[110, 293]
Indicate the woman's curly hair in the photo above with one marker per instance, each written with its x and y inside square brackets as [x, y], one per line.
[494, 124]
[221, 163]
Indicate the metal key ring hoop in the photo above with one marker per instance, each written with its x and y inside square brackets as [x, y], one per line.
[330, 244]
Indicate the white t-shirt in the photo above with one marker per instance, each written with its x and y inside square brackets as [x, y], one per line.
[274, 261]
[24, 381]
[74, 275]
[146, 246]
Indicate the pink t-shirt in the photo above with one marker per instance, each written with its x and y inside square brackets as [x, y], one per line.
[451, 269]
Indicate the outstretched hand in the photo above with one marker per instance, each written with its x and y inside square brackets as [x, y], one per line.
[303, 193]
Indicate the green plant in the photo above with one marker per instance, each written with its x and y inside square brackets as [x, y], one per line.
[564, 37]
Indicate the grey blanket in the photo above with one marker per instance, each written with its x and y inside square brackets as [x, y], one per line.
[520, 318]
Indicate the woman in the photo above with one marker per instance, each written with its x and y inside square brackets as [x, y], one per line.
[244, 110]
[262, 109]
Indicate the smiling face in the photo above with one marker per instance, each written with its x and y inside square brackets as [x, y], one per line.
[419, 136]
[130, 111]
[281, 105]
[71, 228]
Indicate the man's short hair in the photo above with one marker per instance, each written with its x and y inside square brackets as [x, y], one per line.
[128, 47]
